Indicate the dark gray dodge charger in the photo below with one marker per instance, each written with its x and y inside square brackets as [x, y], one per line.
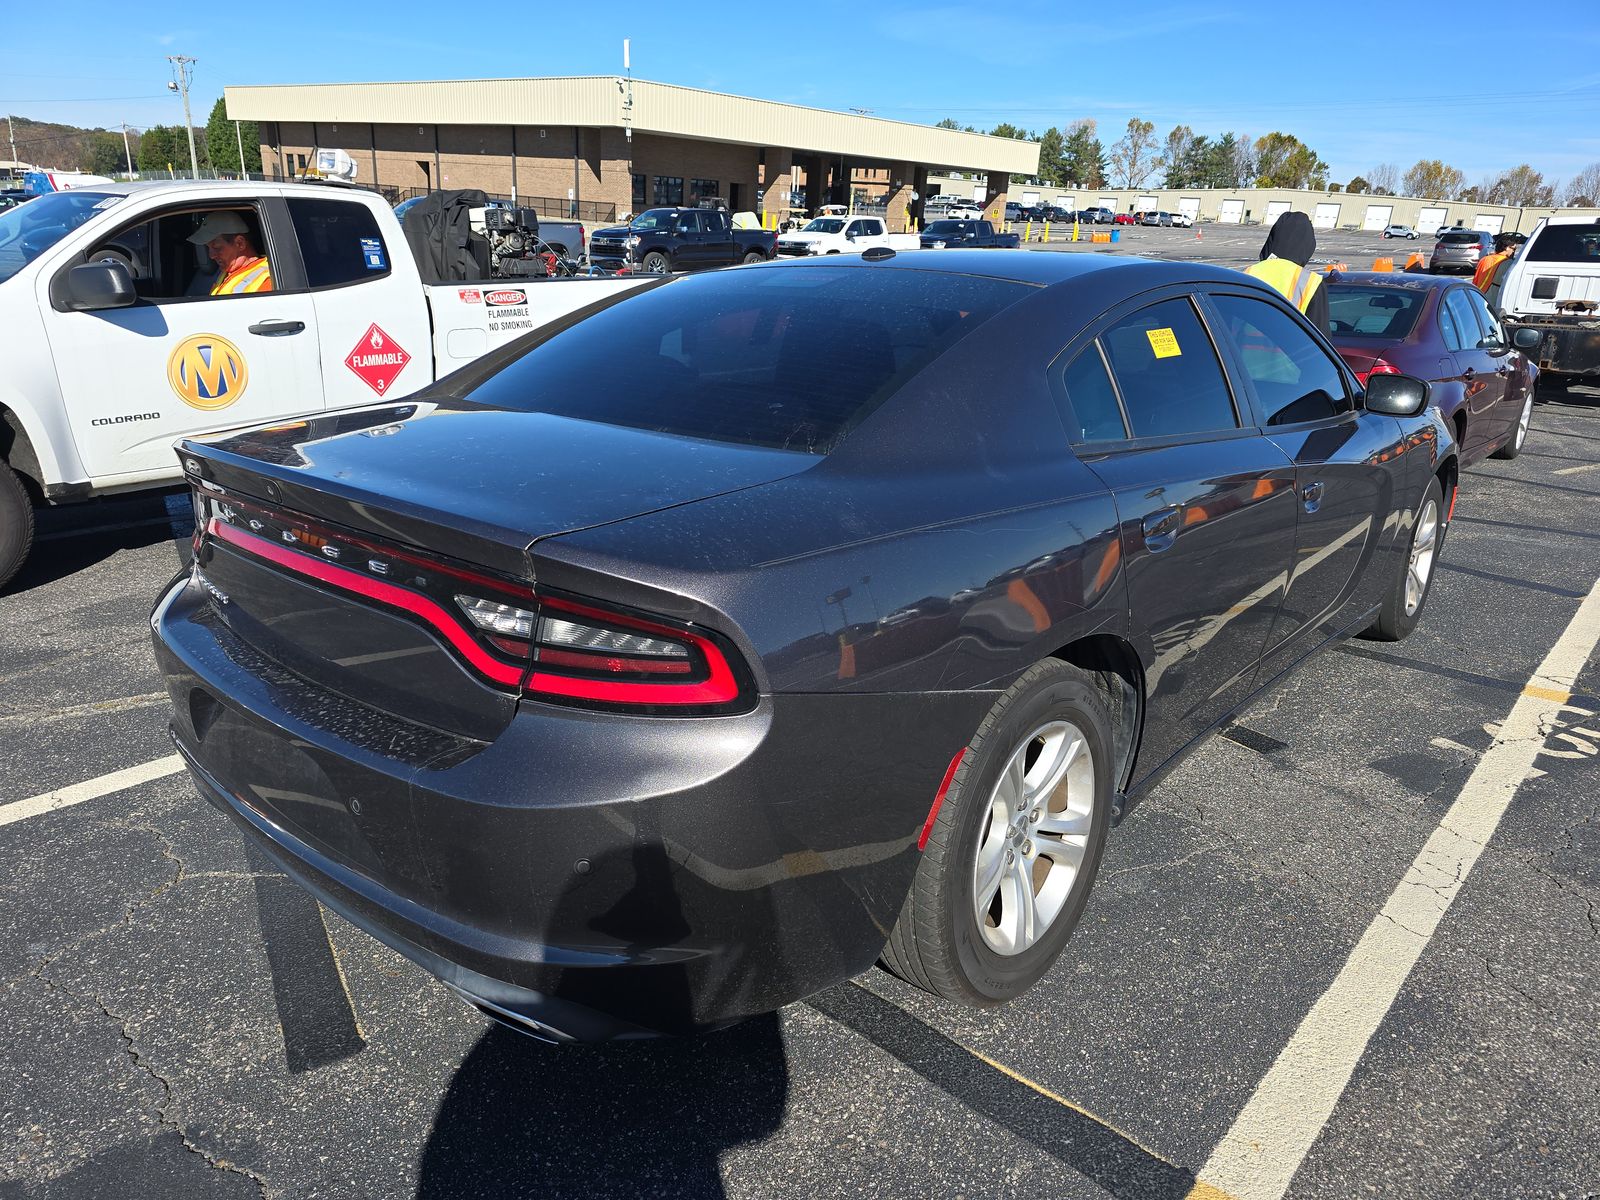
[697, 652]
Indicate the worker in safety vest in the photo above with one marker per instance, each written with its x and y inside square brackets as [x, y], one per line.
[1284, 255]
[1505, 246]
[241, 268]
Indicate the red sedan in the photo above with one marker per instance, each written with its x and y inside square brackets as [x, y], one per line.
[1125, 218]
[1440, 329]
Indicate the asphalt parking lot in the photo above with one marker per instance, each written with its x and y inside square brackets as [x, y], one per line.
[183, 1021]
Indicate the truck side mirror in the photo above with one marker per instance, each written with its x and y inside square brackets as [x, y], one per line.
[98, 285]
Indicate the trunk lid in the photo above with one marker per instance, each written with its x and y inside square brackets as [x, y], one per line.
[337, 546]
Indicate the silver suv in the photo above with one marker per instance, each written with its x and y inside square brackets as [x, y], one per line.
[1458, 250]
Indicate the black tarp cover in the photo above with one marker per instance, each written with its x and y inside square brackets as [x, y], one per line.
[439, 231]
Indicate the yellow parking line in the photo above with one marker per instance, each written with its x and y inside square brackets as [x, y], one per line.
[1558, 695]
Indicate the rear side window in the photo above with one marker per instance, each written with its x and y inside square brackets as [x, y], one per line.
[1168, 373]
[339, 241]
[1094, 414]
[1464, 321]
[1566, 243]
[789, 358]
[1293, 379]
[1357, 311]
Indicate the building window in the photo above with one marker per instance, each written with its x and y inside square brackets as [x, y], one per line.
[638, 193]
[669, 190]
[703, 187]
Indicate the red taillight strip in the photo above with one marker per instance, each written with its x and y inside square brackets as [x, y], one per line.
[938, 798]
[373, 589]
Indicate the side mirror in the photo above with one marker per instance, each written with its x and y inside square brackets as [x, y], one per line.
[98, 285]
[1396, 395]
[850, 236]
[1527, 339]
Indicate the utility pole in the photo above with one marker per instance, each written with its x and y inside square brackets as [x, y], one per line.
[13, 135]
[127, 154]
[237, 133]
[182, 69]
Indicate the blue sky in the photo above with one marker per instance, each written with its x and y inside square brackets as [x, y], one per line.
[1367, 88]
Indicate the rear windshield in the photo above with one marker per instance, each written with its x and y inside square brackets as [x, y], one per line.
[1463, 239]
[1566, 243]
[946, 228]
[1379, 312]
[790, 358]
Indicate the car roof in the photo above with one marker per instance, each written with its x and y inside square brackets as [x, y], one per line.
[1028, 266]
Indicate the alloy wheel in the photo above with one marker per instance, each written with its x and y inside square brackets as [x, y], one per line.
[1424, 542]
[1035, 837]
[1524, 421]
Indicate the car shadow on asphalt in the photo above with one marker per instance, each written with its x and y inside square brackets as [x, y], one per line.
[522, 1118]
[70, 540]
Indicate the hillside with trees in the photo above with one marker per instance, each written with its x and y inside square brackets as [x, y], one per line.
[155, 149]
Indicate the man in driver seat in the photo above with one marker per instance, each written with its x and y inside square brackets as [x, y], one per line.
[241, 268]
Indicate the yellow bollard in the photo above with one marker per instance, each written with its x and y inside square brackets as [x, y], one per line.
[1074, 229]
[1027, 233]
[1046, 237]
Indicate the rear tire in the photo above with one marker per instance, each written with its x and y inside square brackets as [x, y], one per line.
[1519, 431]
[1013, 853]
[16, 524]
[754, 256]
[1408, 594]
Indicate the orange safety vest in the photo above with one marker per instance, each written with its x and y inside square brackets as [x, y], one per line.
[254, 275]
[1484, 275]
[1298, 283]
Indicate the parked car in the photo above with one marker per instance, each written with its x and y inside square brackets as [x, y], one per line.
[1552, 288]
[964, 210]
[1183, 220]
[969, 235]
[1155, 218]
[1400, 231]
[680, 239]
[1440, 328]
[1126, 218]
[560, 732]
[1099, 216]
[844, 235]
[1458, 250]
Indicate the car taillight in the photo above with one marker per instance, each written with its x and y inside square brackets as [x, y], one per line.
[1380, 367]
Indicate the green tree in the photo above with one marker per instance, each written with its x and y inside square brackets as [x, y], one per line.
[1052, 157]
[222, 144]
[104, 153]
[1177, 158]
[951, 123]
[158, 146]
[1135, 157]
[1007, 130]
[1083, 158]
[1358, 184]
[1283, 160]
[1432, 179]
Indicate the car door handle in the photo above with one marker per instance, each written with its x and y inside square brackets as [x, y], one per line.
[277, 328]
[1161, 528]
[1311, 497]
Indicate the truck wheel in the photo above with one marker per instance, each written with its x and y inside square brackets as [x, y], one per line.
[16, 524]
[754, 256]
[1016, 844]
[657, 263]
[1402, 607]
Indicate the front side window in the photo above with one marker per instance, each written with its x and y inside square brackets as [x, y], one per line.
[192, 254]
[1168, 373]
[767, 357]
[339, 241]
[1293, 379]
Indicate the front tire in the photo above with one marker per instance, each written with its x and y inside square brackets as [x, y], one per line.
[1519, 432]
[16, 524]
[1408, 595]
[657, 263]
[1016, 845]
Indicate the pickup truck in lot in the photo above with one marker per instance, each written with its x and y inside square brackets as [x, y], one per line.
[1553, 286]
[659, 240]
[967, 235]
[844, 235]
[116, 346]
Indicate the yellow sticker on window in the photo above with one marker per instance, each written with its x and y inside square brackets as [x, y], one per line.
[1164, 342]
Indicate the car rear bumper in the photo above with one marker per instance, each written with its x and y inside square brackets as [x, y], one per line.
[584, 876]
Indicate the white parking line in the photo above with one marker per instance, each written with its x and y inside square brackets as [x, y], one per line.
[1259, 1155]
[89, 789]
[1578, 470]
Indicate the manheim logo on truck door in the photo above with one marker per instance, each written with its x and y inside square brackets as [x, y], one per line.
[207, 371]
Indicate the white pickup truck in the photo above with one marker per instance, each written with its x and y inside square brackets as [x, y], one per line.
[115, 346]
[844, 235]
[1553, 286]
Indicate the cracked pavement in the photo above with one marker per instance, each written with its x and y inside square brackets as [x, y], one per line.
[182, 1022]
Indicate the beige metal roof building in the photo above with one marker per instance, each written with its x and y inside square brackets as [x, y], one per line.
[601, 145]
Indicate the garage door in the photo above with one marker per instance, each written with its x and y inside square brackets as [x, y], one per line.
[1109, 202]
[1430, 219]
[1326, 216]
[1377, 218]
[1231, 212]
[1147, 204]
[1488, 223]
[1276, 209]
[1189, 206]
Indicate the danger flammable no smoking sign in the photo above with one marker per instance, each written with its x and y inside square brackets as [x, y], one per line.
[378, 359]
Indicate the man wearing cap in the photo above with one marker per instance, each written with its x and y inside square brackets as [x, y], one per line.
[241, 268]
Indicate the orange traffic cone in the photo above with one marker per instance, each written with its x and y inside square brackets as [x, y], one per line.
[1383, 264]
[1198, 236]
